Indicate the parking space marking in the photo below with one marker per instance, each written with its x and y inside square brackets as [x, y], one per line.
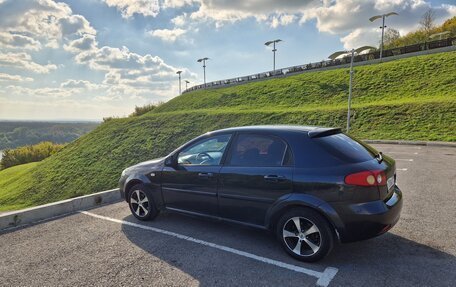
[401, 169]
[402, 152]
[403, 159]
[324, 278]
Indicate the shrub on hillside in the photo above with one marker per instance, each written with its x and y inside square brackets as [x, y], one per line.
[145, 109]
[29, 153]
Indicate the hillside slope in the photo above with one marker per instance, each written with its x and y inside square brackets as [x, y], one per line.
[412, 99]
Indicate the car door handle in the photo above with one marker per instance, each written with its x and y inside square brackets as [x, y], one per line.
[205, 174]
[275, 178]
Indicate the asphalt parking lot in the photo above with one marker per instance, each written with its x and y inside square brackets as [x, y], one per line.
[109, 247]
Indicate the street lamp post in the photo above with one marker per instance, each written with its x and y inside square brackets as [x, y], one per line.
[274, 50]
[204, 67]
[383, 16]
[179, 73]
[186, 84]
[350, 86]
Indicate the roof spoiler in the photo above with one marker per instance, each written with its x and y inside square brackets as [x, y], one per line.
[322, 132]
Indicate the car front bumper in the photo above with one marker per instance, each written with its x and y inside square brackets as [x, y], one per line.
[369, 219]
[122, 186]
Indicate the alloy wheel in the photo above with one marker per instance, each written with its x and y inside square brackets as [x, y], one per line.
[139, 203]
[301, 236]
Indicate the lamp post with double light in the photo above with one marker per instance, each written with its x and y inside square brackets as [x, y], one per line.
[203, 60]
[274, 50]
[180, 89]
[383, 16]
[352, 52]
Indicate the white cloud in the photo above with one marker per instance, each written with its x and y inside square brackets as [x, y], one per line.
[177, 3]
[361, 37]
[180, 20]
[46, 92]
[167, 35]
[14, 78]
[39, 24]
[130, 7]
[233, 10]
[13, 41]
[131, 74]
[86, 43]
[282, 20]
[24, 61]
[79, 84]
[340, 17]
[75, 25]
[37, 19]
[32, 25]
[42, 21]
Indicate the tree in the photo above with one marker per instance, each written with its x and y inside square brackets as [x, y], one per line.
[449, 25]
[427, 21]
[391, 36]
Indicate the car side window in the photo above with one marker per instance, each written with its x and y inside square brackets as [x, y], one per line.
[257, 150]
[208, 151]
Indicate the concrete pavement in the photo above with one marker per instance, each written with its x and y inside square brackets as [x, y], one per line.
[115, 249]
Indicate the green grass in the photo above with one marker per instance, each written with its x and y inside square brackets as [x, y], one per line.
[410, 99]
[12, 185]
[413, 79]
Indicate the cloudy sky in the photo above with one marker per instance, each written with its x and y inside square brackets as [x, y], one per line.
[88, 59]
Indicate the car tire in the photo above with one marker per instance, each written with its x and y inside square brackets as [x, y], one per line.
[312, 242]
[141, 203]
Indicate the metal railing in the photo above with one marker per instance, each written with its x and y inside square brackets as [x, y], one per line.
[329, 63]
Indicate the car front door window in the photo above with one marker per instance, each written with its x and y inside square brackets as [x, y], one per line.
[207, 151]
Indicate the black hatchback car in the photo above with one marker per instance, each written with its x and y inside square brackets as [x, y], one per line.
[308, 185]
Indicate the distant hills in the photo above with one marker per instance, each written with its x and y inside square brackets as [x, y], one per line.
[19, 133]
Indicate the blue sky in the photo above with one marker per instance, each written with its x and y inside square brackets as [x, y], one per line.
[90, 59]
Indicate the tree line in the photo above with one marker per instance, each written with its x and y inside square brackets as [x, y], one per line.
[29, 153]
[427, 28]
[16, 134]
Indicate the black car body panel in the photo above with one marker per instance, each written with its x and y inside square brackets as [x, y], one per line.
[246, 188]
[313, 176]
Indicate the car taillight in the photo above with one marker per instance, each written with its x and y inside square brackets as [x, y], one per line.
[367, 178]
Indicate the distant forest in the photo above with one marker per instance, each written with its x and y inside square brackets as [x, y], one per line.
[15, 134]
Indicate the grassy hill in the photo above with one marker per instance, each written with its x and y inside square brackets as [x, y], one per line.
[11, 186]
[413, 99]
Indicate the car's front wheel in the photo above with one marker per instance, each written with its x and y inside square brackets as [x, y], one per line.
[141, 203]
[305, 234]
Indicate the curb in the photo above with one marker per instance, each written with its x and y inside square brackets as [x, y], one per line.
[47, 211]
[423, 143]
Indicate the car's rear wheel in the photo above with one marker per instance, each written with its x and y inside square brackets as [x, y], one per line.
[141, 203]
[305, 234]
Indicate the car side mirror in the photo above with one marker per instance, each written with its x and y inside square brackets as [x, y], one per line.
[171, 162]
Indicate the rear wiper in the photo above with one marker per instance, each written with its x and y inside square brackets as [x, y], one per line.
[379, 157]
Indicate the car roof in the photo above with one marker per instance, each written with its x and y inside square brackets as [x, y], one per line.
[310, 130]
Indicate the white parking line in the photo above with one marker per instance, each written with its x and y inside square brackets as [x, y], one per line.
[401, 169]
[403, 159]
[324, 278]
[401, 152]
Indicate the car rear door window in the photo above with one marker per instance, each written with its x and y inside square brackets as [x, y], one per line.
[257, 150]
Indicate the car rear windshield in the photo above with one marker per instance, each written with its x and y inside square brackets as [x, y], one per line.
[345, 148]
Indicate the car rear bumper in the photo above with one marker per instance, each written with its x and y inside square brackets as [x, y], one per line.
[366, 220]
